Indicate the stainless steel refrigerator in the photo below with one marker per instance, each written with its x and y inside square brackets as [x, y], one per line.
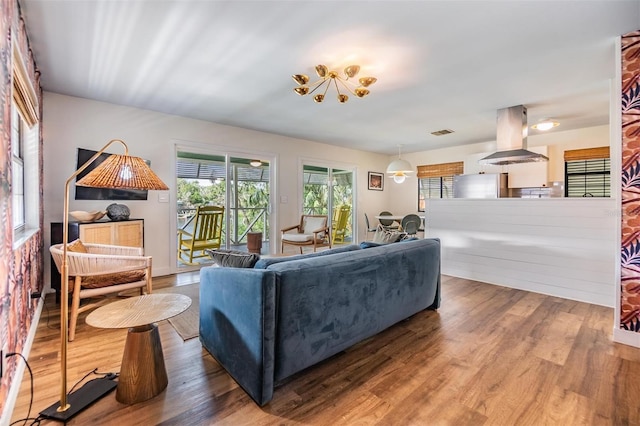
[484, 185]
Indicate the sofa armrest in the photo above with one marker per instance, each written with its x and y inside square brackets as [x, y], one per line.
[237, 325]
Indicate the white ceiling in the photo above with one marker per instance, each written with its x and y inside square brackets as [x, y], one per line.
[439, 64]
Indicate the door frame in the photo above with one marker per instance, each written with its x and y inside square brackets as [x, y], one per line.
[330, 165]
[225, 151]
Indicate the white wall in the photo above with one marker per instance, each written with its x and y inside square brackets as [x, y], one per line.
[71, 123]
[563, 247]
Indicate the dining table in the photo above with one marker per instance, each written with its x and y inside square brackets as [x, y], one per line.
[396, 217]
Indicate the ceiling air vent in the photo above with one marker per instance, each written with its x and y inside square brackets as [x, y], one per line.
[441, 132]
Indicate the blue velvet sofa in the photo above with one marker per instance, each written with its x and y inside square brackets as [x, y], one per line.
[285, 314]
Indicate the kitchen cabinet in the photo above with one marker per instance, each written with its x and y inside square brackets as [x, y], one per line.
[530, 175]
[120, 233]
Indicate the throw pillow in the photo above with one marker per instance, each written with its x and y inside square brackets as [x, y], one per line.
[76, 246]
[233, 258]
[386, 236]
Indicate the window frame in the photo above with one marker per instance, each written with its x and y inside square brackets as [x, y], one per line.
[17, 170]
[444, 172]
[442, 185]
[25, 101]
[595, 164]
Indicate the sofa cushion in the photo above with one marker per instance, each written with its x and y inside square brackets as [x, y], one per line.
[265, 262]
[99, 281]
[233, 258]
[297, 238]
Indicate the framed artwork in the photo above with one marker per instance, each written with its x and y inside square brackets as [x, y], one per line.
[376, 181]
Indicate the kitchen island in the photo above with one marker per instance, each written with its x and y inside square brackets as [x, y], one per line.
[564, 247]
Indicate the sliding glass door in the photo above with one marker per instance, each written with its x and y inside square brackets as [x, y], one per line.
[239, 184]
[329, 191]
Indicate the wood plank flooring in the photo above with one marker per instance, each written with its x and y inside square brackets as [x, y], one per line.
[489, 356]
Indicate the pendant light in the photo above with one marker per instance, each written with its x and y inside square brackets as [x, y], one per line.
[398, 169]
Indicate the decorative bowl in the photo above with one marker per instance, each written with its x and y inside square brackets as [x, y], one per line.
[82, 216]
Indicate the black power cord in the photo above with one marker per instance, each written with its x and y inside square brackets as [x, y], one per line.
[36, 420]
[39, 419]
[95, 371]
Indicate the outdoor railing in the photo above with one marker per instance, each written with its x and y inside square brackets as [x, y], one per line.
[259, 224]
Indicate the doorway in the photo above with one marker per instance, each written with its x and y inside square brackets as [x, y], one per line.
[239, 183]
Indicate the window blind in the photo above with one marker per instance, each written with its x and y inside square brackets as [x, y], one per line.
[586, 154]
[24, 96]
[588, 178]
[439, 170]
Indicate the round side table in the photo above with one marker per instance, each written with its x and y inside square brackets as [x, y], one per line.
[143, 374]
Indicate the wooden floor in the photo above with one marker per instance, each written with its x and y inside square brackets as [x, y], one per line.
[489, 356]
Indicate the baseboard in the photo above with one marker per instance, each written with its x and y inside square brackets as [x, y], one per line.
[14, 388]
[626, 337]
[161, 271]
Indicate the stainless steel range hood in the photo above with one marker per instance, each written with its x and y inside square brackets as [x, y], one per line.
[512, 139]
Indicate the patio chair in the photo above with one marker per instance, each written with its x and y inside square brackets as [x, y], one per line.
[340, 223]
[311, 231]
[207, 234]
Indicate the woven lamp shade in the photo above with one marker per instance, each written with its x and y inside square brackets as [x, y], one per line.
[123, 172]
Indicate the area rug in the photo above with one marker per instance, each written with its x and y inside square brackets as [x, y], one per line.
[187, 323]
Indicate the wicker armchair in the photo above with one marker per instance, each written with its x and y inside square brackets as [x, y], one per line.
[100, 269]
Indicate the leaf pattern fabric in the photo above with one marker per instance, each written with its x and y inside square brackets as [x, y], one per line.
[630, 184]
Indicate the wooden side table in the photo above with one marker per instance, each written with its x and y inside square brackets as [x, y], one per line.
[143, 374]
[254, 242]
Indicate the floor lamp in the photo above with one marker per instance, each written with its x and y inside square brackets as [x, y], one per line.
[116, 172]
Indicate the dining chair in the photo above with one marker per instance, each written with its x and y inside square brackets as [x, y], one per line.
[387, 223]
[369, 227]
[411, 224]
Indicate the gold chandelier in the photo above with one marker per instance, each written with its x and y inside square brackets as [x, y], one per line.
[327, 77]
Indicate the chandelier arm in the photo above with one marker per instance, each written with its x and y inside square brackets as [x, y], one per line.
[320, 83]
[336, 84]
[326, 89]
[346, 86]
